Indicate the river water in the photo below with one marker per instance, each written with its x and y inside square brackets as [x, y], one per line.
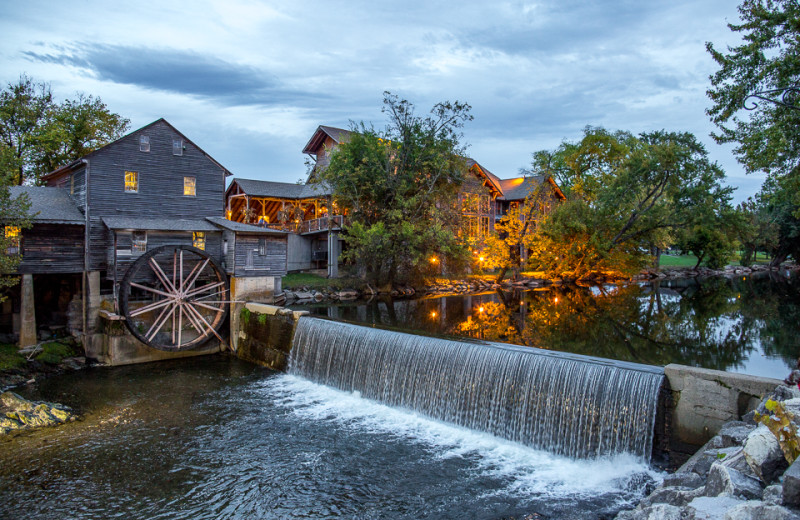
[215, 438]
[748, 324]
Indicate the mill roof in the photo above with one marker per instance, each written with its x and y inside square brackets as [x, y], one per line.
[50, 205]
[159, 224]
[280, 190]
[240, 227]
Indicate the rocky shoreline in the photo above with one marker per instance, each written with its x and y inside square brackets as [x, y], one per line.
[17, 413]
[306, 295]
[740, 474]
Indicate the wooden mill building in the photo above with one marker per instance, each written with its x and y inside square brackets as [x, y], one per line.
[97, 215]
[314, 223]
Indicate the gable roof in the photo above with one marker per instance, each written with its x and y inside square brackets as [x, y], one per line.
[339, 135]
[75, 164]
[50, 205]
[240, 227]
[279, 190]
[158, 224]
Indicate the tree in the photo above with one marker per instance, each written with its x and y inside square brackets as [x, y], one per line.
[14, 217]
[399, 190]
[38, 135]
[626, 194]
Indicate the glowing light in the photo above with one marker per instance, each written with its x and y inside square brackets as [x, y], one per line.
[480, 309]
[481, 259]
[556, 299]
[433, 314]
[434, 259]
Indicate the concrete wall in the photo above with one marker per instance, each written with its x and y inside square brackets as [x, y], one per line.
[263, 334]
[298, 253]
[703, 400]
[113, 345]
[255, 288]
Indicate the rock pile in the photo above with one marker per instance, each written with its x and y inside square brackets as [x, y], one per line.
[18, 413]
[731, 270]
[740, 474]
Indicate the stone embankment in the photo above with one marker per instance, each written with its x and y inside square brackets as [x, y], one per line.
[17, 413]
[740, 474]
[731, 270]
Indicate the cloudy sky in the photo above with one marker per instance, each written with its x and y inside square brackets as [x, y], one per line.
[249, 81]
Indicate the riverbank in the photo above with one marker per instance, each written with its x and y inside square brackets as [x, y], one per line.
[21, 366]
[309, 293]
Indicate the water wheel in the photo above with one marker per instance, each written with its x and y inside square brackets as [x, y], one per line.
[174, 298]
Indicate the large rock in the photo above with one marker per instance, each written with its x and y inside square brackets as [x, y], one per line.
[734, 433]
[764, 455]
[672, 496]
[726, 481]
[19, 413]
[684, 479]
[755, 510]
[710, 508]
[654, 512]
[791, 485]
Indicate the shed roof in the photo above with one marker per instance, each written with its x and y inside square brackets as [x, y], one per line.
[240, 227]
[159, 224]
[50, 205]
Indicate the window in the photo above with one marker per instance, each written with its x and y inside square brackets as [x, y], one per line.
[14, 237]
[144, 143]
[189, 186]
[262, 247]
[484, 226]
[139, 242]
[199, 240]
[132, 182]
[177, 147]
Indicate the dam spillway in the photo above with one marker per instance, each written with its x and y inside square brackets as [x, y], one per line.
[567, 404]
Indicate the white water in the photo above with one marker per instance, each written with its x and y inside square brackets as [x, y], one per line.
[568, 405]
[526, 472]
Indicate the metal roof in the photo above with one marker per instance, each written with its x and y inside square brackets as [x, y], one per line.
[519, 187]
[240, 227]
[50, 205]
[159, 224]
[280, 190]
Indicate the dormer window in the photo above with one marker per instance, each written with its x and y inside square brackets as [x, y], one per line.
[177, 147]
[144, 143]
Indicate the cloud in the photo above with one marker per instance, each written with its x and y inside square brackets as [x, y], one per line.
[177, 71]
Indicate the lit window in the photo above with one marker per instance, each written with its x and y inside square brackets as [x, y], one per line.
[132, 182]
[144, 143]
[13, 237]
[177, 147]
[199, 240]
[189, 186]
[139, 242]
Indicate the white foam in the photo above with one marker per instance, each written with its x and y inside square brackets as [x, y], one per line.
[527, 471]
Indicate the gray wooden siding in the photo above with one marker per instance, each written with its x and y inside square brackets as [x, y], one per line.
[52, 248]
[230, 237]
[271, 264]
[160, 193]
[157, 239]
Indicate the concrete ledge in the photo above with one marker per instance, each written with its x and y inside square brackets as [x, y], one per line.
[704, 400]
[263, 334]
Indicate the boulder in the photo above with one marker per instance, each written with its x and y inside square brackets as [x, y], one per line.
[684, 479]
[726, 481]
[773, 495]
[734, 433]
[791, 485]
[764, 455]
[303, 295]
[755, 510]
[672, 496]
[654, 512]
[21, 414]
[710, 508]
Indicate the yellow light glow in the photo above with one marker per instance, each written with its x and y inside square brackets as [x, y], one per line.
[556, 299]
[433, 314]
[434, 259]
[480, 309]
[481, 259]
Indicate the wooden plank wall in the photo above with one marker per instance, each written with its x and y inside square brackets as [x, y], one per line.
[52, 248]
[271, 264]
[157, 239]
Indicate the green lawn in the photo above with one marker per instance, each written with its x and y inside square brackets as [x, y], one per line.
[315, 281]
[678, 261]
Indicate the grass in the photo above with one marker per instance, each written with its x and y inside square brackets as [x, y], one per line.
[53, 352]
[315, 281]
[9, 357]
[678, 261]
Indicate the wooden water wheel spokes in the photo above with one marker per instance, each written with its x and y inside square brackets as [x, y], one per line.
[174, 298]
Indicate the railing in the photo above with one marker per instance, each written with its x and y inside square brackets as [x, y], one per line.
[309, 226]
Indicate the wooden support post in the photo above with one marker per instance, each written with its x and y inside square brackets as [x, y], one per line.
[27, 332]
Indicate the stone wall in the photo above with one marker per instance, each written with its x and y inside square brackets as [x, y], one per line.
[703, 400]
[262, 334]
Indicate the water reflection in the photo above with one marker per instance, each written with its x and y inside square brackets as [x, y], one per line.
[746, 324]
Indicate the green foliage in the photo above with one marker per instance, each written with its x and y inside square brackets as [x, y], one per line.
[53, 352]
[38, 135]
[399, 188]
[245, 316]
[779, 422]
[14, 217]
[10, 357]
[766, 139]
[625, 195]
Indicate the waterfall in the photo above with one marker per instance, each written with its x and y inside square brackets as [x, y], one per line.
[567, 404]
